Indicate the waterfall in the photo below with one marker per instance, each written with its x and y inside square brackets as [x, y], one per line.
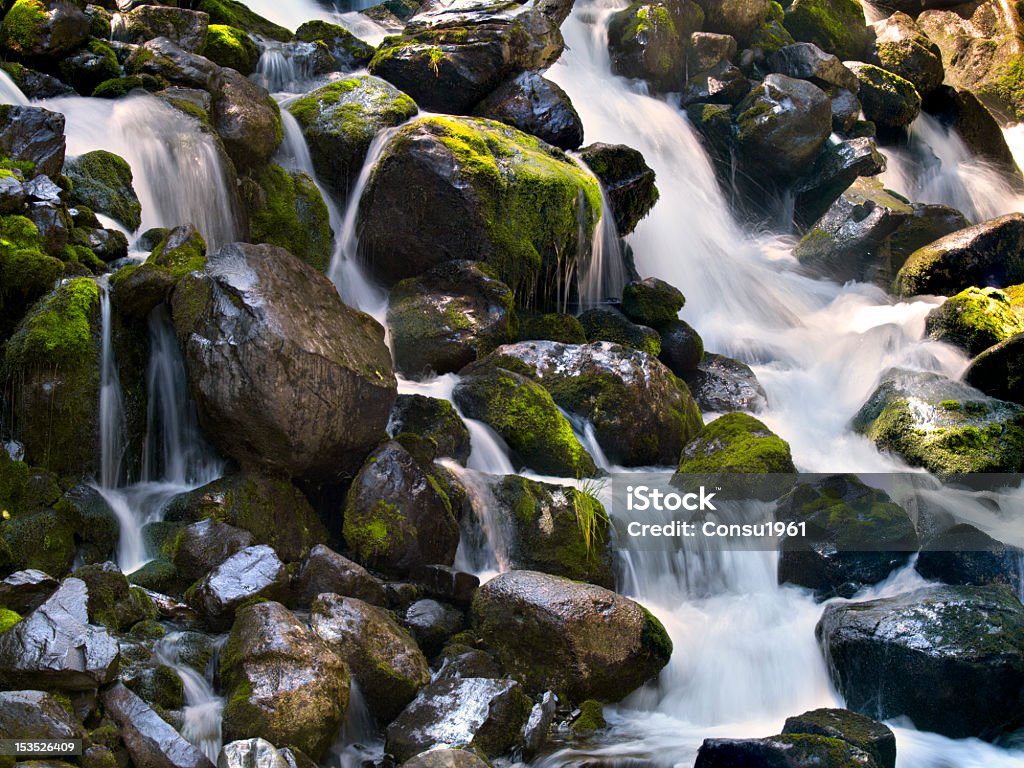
[178, 171]
[286, 69]
[603, 275]
[9, 92]
[202, 713]
[359, 742]
[112, 425]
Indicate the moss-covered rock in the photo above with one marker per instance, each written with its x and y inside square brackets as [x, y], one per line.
[975, 319]
[181, 251]
[736, 443]
[652, 302]
[340, 121]
[33, 28]
[8, 619]
[44, 540]
[523, 413]
[771, 34]
[112, 602]
[103, 181]
[117, 87]
[554, 326]
[627, 180]
[231, 47]
[943, 425]
[738, 18]
[231, 13]
[485, 192]
[87, 68]
[349, 51]
[26, 270]
[999, 370]
[434, 420]
[649, 40]
[609, 324]
[290, 212]
[52, 363]
[866, 734]
[589, 720]
[245, 117]
[902, 47]
[888, 100]
[836, 26]
[786, 749]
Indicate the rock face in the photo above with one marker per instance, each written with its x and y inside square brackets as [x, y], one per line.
[782, 124]
[55, 647]
[433, 419]
[251, 572]
[36, 715]
[445, 319]
[482, 191]
[736, 443]
[537, 106]
[35, 135]
[383, 659]
[103, 181]
[949, 658]
[835, 26]
[867, 735]
[397, 517]
[985, 255]
[998, 371]
[650, 41]
[324, 570]
[641, 413]
[554, 634]
[856, 536]
[720, 384]
[461, 713]
[340, 121]
[627, 180]
[283, 373]
[150, 740]
[284, 683]
[942, 425]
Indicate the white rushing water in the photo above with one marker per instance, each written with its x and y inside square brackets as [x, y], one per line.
[202, 713]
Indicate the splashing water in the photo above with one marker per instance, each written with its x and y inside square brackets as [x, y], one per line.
[202, 714]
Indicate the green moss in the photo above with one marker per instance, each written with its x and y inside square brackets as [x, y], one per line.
[563, 328]
[103, 182]
[8, 619]
[835, 26]
[736, 443]
[26, 271]
[117, 87]
[293, 215]
[230, 47]
[373, 535]
[181, 252]
[234, 14]
[976, 319]
[1007, 89]
[609, 325]
[41, 540]
[23, 26]
[654, 638]
[60, 331]
[590, 719]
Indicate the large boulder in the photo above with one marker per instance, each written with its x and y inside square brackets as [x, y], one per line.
[202, 546]
[903, 48]
[866, 734]
[720, 384]
[349, 51]
[250, 573]
[642, 414]
[55, 647]
[553, 529]
[33, 135]
[483, 191]
[855, 536]
[231, 47]
[609, 324]
[650, 40]
[739, 18]
[160, 58]
[523, 413]
[469, 713]
[551, 633]
[434, 420]
[975, 319]
[736, 443]
[284, 683]
[537, 106]
[999, 370]
[246, 118]
[42, 30]
[288, 210]
[324, 570]
[283, 373]
[807, 61]
[453, 55]
[783, 751]
[962, 554]
[888, 100]
[987, 254]
[949, 658]
[627, 180]
[397, 516]
[448, 317]
[183, 27]
[340, 121]
[942, 425]
[781, 126]
[836, 26]
[836, 167]
[103, 181]
[36, 715]
[383, 659]
[149, 739]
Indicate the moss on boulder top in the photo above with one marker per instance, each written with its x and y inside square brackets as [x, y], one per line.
[231, 47]
[836, 26]
[102, 181]
[235, 14]
[736, 443]
[289, 211]
[26, 270]
[976, 319]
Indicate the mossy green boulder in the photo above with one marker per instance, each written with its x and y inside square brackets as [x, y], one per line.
[975, 319]
[289, 211]
[609, 324]
[945, 426]
[26, 270]
[903, 48]
[649, 41]
[888, 100]
[866, 734]
[182, 251]
[112, 601]
[484, 192]
[232, 13]
[349, 51]
[736, 443]
[341, 120]
[432, 419]
[738, 18]
[52, 364]
[836, 26]
[999, 370]
[627, 180]
[522, 412]
[652, 302]
[102, 181]
[33, 28]
[231, 47]
[553, 326]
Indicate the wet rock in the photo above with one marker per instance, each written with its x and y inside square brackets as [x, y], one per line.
[972, 121]
[203, 546]
[736, 443]
[383, 658]
[784, 751]
[949, 658]
[54, 647]
[856, 536]
[987, 254]
[903, 48]
[432, 624]
[477, 713]
[43, 30]
[245, 117]
[781, 126]
[888, 100]
[156, 684]
[150, 740]
[285, 685]
[537, 106]
[283, 373]
[627, 180]
[340, 121]
[836, 26]
[738, 18]
[230, 47]
[682, 348]
[112, 602]
[184, 28]
[445, 758]
[927, 223]
[53, 224]
[835, 169]
[397, 517]
[553, 529]
[349, 51]
[998, 371]
[12, 195]
[542, 716]
[251, 753]
[162, 59]
[250, 572]
[554, 634]
[975, 319]
[324, 570]
[865, 734]
[942, 425]
[652, 302]
[447, 583]
[807, 61]
[24, 591]
[722, 84]
[448, 317]
[649, 41]
[109, 245]
[720, 384]
[964, 555]
[524, 414]
[36, 85]
[435, 420]
[36, 715]
[103, 181]
[641, 413]
[448, 169]
[846, 111]
[289, 211]
[34, 135]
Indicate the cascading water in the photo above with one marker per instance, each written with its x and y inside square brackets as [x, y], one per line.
[603, 276]
[178, 172]
[202, 713]
[9, 92]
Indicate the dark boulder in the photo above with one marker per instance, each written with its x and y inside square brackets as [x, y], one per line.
[964, 555]
[721, 384]
[149, 739]
[433, 419]
[324, 570]
[627, 180]
[33, 135]
[999, 370]
[862, 732]
[249, 573]
[537, 106]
